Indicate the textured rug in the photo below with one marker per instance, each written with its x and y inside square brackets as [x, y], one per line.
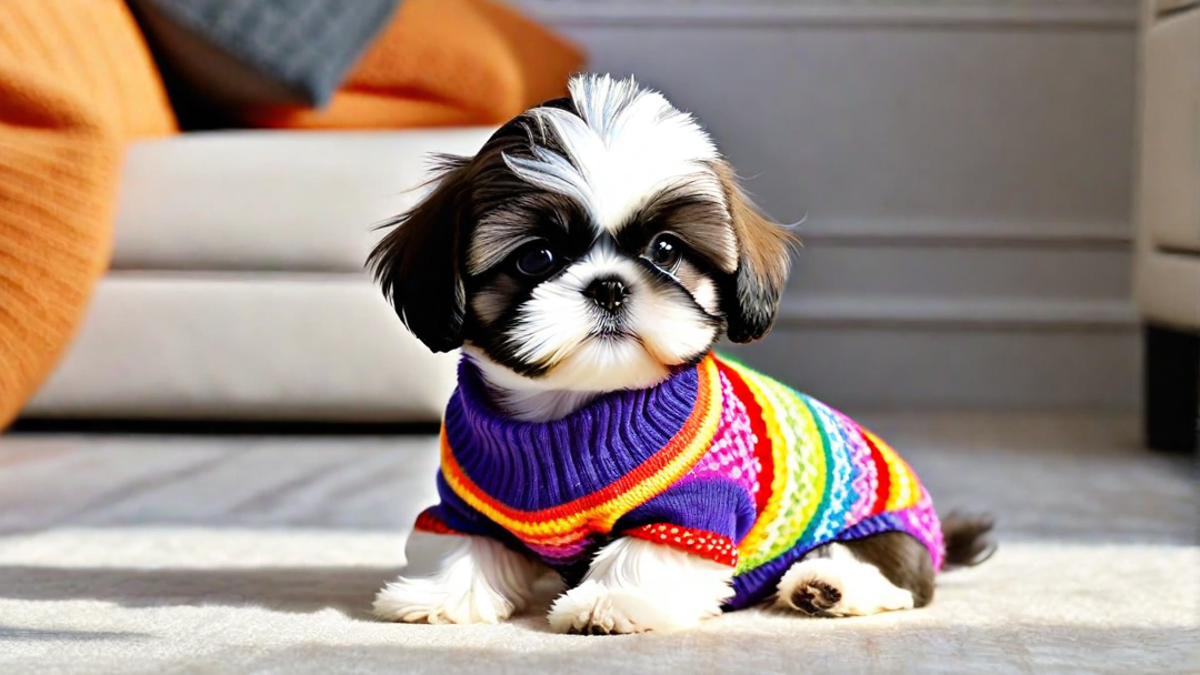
[169, 555]
[203, 601]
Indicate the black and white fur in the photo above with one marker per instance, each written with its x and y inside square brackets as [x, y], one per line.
[596, 243]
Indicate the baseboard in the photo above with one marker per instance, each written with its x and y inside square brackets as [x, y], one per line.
[1112, 14]
[960, 315]
[913, 353]
[972, 232]
[957, 314]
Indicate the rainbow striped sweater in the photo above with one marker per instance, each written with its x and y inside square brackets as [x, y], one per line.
[718, 460]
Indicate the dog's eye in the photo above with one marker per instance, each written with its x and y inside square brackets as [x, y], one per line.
[536, 260]
[665, 252]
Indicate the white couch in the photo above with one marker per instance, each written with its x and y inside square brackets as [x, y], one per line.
[1168, 217]
[237, 288]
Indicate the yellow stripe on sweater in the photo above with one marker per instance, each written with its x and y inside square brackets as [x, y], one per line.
[798, 481]
[799, 477]
[805, 488]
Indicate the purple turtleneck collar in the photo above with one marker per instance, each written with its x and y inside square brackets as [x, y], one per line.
[538, 465]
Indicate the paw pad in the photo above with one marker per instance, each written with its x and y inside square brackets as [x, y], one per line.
[816, 597]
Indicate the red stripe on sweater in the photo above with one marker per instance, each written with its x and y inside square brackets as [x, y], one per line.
[762, 445]
[881, 470]
[428, 521]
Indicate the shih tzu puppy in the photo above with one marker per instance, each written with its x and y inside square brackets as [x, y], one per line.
[586, 261]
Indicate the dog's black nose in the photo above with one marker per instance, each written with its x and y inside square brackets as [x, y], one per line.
[608, 292]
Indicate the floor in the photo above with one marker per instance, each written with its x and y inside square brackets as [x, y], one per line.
[131, 554]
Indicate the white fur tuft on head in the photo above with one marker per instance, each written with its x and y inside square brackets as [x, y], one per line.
[626, 144]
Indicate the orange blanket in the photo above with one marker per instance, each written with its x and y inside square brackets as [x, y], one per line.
[76, 83]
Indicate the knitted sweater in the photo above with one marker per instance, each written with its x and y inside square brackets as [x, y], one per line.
[717, 460]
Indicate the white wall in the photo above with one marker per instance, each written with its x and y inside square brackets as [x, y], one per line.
[966, 170]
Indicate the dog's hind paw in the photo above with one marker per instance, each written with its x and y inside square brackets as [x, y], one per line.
[840, 586]
[815, 597]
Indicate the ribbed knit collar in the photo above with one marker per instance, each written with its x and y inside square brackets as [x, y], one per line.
[539, 465]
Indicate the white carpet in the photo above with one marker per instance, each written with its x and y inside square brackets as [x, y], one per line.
[204, 600]
[215, 554]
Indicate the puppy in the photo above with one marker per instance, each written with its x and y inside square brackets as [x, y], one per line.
[586, 261]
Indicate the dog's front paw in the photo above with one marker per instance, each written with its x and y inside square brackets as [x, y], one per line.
[633, 586]
[457, 579]
[435, 601]
[594, 608]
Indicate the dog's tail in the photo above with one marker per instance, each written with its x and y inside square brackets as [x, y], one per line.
[967, 539]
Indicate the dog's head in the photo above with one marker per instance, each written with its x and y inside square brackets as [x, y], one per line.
[595, 243]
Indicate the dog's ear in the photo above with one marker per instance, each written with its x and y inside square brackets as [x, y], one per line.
[750, 299]
[418, 263]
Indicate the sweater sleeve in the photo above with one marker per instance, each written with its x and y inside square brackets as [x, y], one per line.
[705, 517]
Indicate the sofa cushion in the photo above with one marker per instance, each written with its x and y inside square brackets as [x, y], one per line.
[1170, 162]
[1164, 6]
[1168, 288]
[270, 200]
[313, 347]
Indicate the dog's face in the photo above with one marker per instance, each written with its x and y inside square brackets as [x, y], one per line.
[595, 243]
